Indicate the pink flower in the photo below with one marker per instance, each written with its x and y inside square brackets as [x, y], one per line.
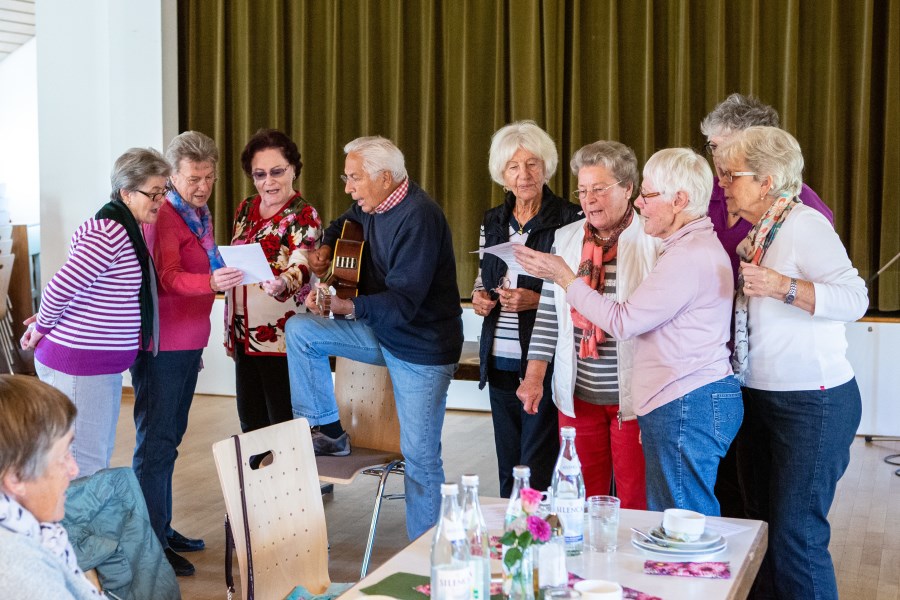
[539, 529]
[531, 499]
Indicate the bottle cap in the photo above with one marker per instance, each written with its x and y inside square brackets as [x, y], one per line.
[567, 432]
[469, 480]
[522, 471]
[449, 488]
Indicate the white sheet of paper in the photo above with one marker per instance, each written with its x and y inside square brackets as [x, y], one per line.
[250, 259]
[505, 253]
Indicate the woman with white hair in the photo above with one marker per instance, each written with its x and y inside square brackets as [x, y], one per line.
[687, 401]
[796, 290]
[522, 159]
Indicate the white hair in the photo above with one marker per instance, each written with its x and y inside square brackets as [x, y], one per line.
[378, 154]
[676, 170]
[528, 136]
[768, 151]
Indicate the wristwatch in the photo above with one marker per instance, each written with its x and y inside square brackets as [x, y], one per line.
[792, 292]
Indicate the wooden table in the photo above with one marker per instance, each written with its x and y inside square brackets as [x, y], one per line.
[745, 552]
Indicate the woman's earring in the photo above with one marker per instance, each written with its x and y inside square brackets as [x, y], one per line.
[505, 190]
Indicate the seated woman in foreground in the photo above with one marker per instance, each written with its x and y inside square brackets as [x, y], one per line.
[687, 401]
[36, 465]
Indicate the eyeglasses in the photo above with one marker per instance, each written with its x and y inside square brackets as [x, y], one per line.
[648, 195]
[728, 176]
[710, 148]
[154, 196]
[210, 179]
[275, 173]
[354, 178]
[596, 191]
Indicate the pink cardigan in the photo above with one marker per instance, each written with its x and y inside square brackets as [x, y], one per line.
[185, 298]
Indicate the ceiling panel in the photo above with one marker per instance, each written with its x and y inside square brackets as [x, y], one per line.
[16, 25]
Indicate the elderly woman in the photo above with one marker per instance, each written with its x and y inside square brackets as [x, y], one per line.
[687, 400]
[802, 404]
[592, 372]
[36, 465]
[190, 271]
[522, 159]
[100, 307]
[287, 227]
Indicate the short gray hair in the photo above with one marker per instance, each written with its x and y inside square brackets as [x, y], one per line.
[736, 113]
[379, 154]
[528, 136]
[676, 170]
[616, 157]
[768, 151]
[136, 166]
[192, 146]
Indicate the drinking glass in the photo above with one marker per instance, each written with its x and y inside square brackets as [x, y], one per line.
[603, 523]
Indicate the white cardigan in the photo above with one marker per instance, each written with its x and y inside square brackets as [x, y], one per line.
[635, 258]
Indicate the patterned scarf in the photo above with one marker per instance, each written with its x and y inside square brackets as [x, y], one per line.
[199, 221]
[752, 249]
[15, 518]
[594, 253]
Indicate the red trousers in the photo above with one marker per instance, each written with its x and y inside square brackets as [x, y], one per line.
[604, 449]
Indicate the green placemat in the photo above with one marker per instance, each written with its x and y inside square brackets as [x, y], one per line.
[399, 585]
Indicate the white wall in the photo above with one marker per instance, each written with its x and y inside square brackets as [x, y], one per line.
[106, 82]
[19, 134]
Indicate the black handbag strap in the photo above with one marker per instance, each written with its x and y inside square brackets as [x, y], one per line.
[229, 539]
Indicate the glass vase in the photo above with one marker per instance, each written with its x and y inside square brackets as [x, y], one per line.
[518, 580]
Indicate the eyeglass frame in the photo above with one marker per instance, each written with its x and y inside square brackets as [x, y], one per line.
[154, 196]
[594, 191]
[728, 176]
[650, 195]
[262, 175]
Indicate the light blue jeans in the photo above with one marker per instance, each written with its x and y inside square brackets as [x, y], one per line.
[420, 392]
[684, 441]
[98, 399]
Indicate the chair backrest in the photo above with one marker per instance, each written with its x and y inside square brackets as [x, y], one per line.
[365, 399]
[286, 517]
[6, 265]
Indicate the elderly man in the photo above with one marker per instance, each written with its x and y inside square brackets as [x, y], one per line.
[190, 272]
[407, 317]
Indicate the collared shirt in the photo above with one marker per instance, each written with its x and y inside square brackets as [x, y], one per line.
[394, 199]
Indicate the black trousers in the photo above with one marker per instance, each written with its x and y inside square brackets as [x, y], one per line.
[263, 389]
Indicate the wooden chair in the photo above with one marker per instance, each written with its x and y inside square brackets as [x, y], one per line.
[365, 399]
[285, 515]
[8, 343]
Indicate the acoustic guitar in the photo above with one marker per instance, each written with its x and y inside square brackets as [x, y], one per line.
[343, 275]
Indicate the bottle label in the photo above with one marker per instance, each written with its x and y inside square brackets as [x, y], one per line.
[571, 515]
[476, 572]
[569, 468]
[451, 583]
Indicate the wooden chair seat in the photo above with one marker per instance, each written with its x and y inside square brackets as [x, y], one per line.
[344, 469]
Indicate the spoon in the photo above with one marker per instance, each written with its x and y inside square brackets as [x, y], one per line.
[652, 540]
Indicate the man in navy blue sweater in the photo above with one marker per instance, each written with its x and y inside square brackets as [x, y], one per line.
[407, 317]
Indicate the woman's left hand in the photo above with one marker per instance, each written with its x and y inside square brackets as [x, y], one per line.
[32, 336]
[760, 282]
[518, 299]
[275, 287]
[544, 265]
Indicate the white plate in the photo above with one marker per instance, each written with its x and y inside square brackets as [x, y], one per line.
[670, 552]
[706, 540]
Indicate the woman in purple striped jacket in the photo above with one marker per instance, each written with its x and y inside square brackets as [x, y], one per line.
[100, 307]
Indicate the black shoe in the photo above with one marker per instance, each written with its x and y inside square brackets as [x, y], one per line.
[181, 565]
[327, 446]
[179, 543]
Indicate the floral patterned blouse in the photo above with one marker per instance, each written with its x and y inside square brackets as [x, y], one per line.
[253, 318]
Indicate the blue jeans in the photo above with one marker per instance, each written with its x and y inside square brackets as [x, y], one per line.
[420, 392]
[163, 391]
[684, 441]
[796, 448]
[520, 438]
[98, 399]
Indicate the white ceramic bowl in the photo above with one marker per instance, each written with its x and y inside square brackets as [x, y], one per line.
[683, 525]
[598, 589]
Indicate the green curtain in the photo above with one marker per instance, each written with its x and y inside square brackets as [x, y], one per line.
[439, 77]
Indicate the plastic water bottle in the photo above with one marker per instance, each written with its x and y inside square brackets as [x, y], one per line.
[451, 575]
[568, 493]
[477, 537]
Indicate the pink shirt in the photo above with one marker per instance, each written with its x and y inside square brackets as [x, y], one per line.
[185, 298]
[680, 317]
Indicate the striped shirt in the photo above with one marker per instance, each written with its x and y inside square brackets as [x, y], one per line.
[90, 312]
[596, 379]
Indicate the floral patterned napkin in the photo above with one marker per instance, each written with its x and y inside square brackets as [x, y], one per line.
[709, 570]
